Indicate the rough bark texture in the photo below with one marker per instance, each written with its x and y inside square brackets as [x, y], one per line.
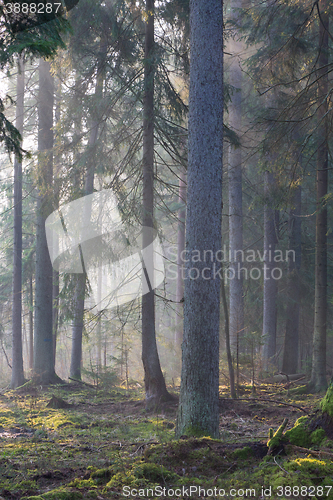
[290, 350]
[236, 314]
[270, 284]
[43, 328]
[318, 373]
[155, 387]
[17, 378]
[198, 412]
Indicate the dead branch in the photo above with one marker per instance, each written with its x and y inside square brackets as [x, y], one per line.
[268, 401]
[312, 452]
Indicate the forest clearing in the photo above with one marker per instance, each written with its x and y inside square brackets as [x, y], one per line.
[106, 440]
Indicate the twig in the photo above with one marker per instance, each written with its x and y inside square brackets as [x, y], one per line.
[312, 452]
[284, 470]
[268, 401]
[81, 382]
[3, 349]
[249, 379]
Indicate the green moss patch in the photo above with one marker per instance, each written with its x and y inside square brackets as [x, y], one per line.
[326, 403]
[299, 435]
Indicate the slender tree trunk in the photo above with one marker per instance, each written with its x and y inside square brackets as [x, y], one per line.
[290, 351]
[43, 339]
[198, 412]
[77, 328]
[180, 249]
[235, 199]
[17, 378]
[55, 291]
[155, 387]
[31, 326]
[80, 286]
[270, 284]
[318, 374]
[227, 341]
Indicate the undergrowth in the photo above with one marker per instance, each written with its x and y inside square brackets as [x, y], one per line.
[105, 445]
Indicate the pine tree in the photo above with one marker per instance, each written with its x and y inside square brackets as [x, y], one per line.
[198, 412]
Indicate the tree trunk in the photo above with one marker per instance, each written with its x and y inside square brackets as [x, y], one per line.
[80, 286]
[198, 412]
[318, 374]
[227, 341]
[290, 351]
[155, 387]
[236, 315]
[31, 326]
[270, 284]
[55, 291]
[17, 378]
[43, 339]
[180, 249]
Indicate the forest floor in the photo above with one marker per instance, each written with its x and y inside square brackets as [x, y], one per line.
[105, 445]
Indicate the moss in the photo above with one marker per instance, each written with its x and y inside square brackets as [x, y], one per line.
[58, 494]
[62, 494]
[101, 476]
[126, 479]
[243, 453]
[275, 440]
[82, 483]
[25, 485]
[195, 431]
[317, 436]
[299, 435]
[34, 497]
[153, 472]
[326, 403]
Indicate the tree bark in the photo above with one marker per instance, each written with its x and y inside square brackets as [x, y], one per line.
[17, 378]
[55, 279]
[318, 380]
[31, 326]
[198, 412]
[43, 339]
[290, 351]
[79, 294]
[236, 314]
[155, 387]
[180, 249]
[270, 284]
[227, 342]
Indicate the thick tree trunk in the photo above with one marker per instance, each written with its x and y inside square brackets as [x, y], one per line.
[318, 374]
[43, 340]
[155, 387]
[198, 412]
[290, 350]
[17, 378]
[236, 315]
[270, 284]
